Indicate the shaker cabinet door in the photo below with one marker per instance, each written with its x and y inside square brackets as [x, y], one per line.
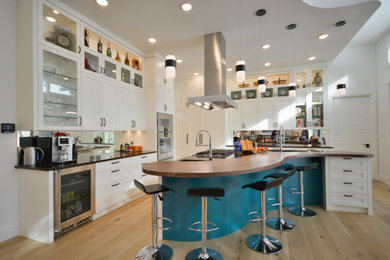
[91, 120]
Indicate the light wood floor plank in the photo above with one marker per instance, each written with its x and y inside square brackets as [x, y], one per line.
[121, 233]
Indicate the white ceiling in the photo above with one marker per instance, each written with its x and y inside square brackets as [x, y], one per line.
[182, 33]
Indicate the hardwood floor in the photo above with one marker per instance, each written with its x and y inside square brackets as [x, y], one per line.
[120, 234]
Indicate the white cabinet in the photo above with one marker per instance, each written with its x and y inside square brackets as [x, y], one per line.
[284, 113]
[115, 181]
[182, 133]
[250, 115]
[99, 103]
[164, 99]
[266, 115]
[235, 117]
[348, 184]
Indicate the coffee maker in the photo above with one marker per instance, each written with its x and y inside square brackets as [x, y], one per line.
[62, 149]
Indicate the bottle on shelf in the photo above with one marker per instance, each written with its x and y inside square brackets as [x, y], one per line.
[117, 56]
[100, 46]
[108, 50]
[86, 38]
[127, 61]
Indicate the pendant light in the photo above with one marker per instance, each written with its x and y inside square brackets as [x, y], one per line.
[240, 64]
[261, 83]
[170, 66]
[292, 90]
[240, 71]
[341, 88]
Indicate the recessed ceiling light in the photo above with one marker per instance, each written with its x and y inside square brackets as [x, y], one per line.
[267, 64]
[196, 74]
[65, 78]
[266, 46]
[186, 7]
[56, 12]
[179, 61]
[102, 2]
[152, 40]
[323, 36]
[51, 19]
[312, 58]
[229, 69]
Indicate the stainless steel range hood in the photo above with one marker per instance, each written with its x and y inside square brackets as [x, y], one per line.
[214, 75]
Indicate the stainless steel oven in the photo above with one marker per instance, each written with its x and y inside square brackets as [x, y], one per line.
[74, 197]
[164, 136]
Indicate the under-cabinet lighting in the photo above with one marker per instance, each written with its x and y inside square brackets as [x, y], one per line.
[51, 19]
[65, 78]
[198, 104]
[70, 112]
[113, 71]
[56, 12]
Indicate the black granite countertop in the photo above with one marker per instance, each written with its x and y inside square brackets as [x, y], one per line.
[84, 159]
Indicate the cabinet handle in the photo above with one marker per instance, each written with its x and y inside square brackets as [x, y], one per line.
[143, 157]
[348, 195]
[347, 183]
[81, 120]
[114, 171]
[79, 49]
[347, 170]
[101, 69]
[165, 107]
[115, 162]
[165, 81]
[135, 123]
[347, 158]
[187, 138]
[101, 122]
[187, 104]
[105, 122]
[104, 71]
[116, 184]
[143, 175]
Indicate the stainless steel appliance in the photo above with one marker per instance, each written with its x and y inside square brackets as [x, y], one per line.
[56, 149]
[74, 197]
[62, 149]
[164, 136]
[31, 156]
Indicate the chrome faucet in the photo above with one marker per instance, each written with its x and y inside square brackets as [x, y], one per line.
[281, 138]
[201, 143]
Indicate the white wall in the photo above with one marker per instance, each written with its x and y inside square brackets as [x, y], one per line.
[383, 83]
[8, 177]
[356, 66]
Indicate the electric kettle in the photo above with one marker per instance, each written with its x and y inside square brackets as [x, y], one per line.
[31, 156]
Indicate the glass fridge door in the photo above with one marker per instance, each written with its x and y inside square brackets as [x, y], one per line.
[75, 194]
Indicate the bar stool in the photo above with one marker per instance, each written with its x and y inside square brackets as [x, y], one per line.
[155, 251]
[301, 210]
[280, 223]
[263, 243]
[204, 252]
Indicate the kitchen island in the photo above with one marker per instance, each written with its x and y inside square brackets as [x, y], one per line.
[342, 181]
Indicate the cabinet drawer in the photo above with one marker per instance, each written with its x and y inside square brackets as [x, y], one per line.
[146, 158]
[111, 193]
[112, 165]
[353, 163]
[348, 186]
[103, 178]
[348, 175]
[349, 199]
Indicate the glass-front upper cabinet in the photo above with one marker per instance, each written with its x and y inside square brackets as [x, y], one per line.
[59, 90]
[138, 80]
[317, 108]
[301, 109]
[59, 29]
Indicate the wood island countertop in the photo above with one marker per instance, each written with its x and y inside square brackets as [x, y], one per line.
[235, 166]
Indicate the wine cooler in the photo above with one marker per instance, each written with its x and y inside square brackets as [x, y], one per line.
[74, 197]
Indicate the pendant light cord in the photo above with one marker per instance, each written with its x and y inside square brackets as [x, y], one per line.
[241, 25]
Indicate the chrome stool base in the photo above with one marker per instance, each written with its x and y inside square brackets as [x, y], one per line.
[285, 225]
[302, 212]
[163, 252]
[212, 254]
[266, 245]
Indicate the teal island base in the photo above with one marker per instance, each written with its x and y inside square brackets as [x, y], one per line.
[230, 213]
